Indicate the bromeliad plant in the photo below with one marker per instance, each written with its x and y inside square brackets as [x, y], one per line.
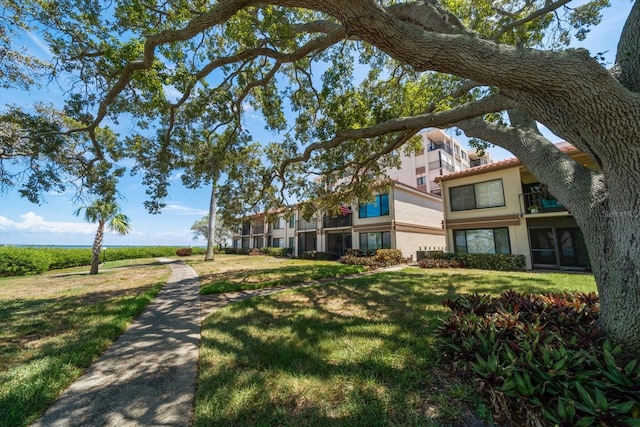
[540, 359]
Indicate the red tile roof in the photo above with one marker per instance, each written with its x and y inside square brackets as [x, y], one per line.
[501, 164]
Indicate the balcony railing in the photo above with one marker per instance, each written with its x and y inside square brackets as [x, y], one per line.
[533, 203]
[304, 225]
[258, 229]
[246, 230]
[339, 221]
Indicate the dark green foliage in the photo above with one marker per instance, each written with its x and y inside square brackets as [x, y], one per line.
[382, 258]
[277, 252]
[439, 263]
[23, 261]
[16, 261]
[184, 252]
[501, 262]
[323, 256]
[541, 356]
[236, 251]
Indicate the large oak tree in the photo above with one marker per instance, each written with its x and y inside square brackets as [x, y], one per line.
[344, 83]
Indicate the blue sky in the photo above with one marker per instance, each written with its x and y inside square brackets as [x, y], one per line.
[53, 222]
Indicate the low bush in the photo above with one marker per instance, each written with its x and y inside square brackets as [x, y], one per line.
[184, 252]
[540, 360]
[23, 261]
[501, 262]
[277, 252]
[19, 261]
[255, 252]
[389, 257]
[323, 256]
[382, 258]
[439, 263]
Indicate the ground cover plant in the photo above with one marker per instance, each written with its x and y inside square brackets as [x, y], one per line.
[53, 325]
[359, 352]
[240, 272]
[540, 359]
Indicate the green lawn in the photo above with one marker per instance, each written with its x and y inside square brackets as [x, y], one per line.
[230, 273]
[52, 326]
[358, 352]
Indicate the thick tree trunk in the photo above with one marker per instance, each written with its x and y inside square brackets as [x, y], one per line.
[97, 247]
[613, 240]
[212, 224]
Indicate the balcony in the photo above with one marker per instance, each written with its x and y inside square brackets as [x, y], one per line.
[246, 230]
[339, 221]
[535, 203]
[258, 229]
[304, 225]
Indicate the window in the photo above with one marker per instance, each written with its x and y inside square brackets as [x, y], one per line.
[292, 221]
[278, 223]
[379, 207]
[375, 241]
[482, 241]
[422, 180]
[277, 242]
[475, 196]
[292, 242]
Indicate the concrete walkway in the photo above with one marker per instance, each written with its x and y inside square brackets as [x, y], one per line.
[147, 377]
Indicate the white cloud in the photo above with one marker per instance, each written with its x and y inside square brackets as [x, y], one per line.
[184, 210]
[40, 43]
[32, 223]
[172, 93]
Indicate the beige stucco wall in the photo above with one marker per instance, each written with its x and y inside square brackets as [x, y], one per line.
[417, 208]
[512, 187]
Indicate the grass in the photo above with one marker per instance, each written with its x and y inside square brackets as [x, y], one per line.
[52, 326]
[229, 273]
[360, 351]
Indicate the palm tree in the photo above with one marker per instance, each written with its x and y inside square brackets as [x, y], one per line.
[104, 213]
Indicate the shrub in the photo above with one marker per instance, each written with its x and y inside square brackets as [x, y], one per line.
[540, 356]
[15, 261]
[326, 256]
[502, 262]
[255, 252]
[389, 257]
[439, 263]
[367, 261]
[277, 252]
[382, 258]
[184, 251]
[23, 261]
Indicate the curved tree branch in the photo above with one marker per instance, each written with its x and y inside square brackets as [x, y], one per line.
[487, 105]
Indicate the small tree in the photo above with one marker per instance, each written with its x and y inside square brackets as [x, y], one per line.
[222, 233]
[104, 213]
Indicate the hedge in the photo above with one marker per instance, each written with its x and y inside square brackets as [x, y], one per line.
[502, 262]
[20, 261]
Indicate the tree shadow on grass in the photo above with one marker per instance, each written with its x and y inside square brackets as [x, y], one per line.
[357, 352]
[231, 281]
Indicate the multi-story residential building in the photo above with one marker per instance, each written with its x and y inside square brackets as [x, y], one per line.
[440, 154]
[409, 217]
[501, 207]
[403, 218]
